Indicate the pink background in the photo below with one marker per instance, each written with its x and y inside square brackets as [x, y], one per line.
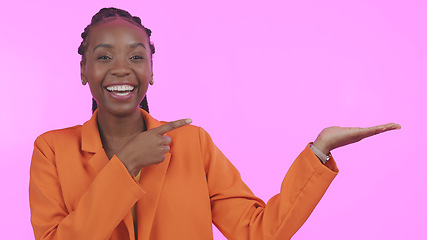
[263, 78]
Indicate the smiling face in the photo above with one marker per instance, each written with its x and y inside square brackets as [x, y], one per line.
[117, 65]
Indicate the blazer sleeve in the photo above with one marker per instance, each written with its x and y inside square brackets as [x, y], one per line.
[100, 209]
[238, 214]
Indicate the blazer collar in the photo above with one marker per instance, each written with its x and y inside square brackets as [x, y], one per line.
[91, 140]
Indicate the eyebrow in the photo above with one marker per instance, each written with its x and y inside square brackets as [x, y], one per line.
[106, 45]
[134, 45]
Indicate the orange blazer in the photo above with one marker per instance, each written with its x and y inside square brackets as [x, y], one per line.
[76, 192]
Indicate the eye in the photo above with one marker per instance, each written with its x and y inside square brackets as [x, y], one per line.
[104, 58]
[136, 57]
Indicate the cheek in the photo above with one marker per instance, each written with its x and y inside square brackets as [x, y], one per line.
[94, 76]
[95, 73]
[144, 73]
[94, 90]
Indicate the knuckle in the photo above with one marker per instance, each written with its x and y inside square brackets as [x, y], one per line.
[166, 149]
[166, 140]
[160, 140]
[172, 125]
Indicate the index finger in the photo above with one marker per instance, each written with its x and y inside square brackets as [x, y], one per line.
[171, 126]
[381, 128]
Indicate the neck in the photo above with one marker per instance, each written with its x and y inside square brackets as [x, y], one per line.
[116, 131]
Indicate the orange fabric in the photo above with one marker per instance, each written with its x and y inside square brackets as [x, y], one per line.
[133, 210]
[76, 192]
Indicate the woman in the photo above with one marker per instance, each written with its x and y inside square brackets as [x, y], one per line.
[125, 175]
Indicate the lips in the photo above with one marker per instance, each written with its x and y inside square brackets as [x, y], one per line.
[120, 90]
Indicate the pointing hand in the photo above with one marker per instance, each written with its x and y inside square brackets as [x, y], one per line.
[149, 147]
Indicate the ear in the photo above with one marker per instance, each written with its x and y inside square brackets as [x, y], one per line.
[82, 72]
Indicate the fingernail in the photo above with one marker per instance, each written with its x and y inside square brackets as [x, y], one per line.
[188, 120]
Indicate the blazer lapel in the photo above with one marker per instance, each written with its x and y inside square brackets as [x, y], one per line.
[91, 142]
[151, 180]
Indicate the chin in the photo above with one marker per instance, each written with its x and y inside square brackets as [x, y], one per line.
[123, 110]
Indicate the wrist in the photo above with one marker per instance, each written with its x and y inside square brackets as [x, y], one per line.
[322, 147]
[319, 154]
[128, 164]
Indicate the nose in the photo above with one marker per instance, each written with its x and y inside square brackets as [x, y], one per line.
[120, 68]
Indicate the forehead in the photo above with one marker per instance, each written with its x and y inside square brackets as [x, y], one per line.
[117, 31]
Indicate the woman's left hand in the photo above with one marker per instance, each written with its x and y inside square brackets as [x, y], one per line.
[335, 137]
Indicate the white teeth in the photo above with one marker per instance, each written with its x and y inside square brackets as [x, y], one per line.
[120, 88]
[121, 94]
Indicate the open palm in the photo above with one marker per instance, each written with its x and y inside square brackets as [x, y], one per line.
[335, 137]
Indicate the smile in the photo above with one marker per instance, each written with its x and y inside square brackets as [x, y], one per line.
[121, 90]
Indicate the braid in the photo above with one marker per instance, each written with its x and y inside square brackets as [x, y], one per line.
[106, 14]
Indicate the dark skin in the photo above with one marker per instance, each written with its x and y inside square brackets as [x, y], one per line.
[118, 55]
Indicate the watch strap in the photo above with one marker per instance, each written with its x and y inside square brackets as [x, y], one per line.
[322, 157]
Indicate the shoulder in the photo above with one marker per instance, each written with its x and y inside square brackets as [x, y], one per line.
[60, 135]
[50, 143]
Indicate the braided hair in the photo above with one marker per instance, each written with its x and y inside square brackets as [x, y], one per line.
[108, 14]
